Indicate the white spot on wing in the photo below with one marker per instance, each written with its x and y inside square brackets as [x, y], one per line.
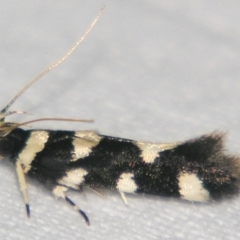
[150, 151]
[126, 183]
[191, 188]
[58, 191]
[83, 143]
[73, 178]
[34, 144]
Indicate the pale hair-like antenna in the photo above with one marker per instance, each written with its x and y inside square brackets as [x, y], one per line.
[4, 113]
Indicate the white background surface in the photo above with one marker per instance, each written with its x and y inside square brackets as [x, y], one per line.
[150, 70]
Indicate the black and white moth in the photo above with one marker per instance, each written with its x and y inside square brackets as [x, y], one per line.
[194, 170]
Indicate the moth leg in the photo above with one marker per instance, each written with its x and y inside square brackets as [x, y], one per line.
[98, 191]
[76, 208]
[59, 191]
[23, 185]
[123, 197]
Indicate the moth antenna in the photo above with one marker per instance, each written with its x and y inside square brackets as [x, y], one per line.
[56, 119]
[43, 73]
[5, 128]
[16, 112]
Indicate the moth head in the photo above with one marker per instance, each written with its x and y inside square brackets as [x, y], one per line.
[6, 127]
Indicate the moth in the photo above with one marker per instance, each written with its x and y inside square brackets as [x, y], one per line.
[194, 170]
